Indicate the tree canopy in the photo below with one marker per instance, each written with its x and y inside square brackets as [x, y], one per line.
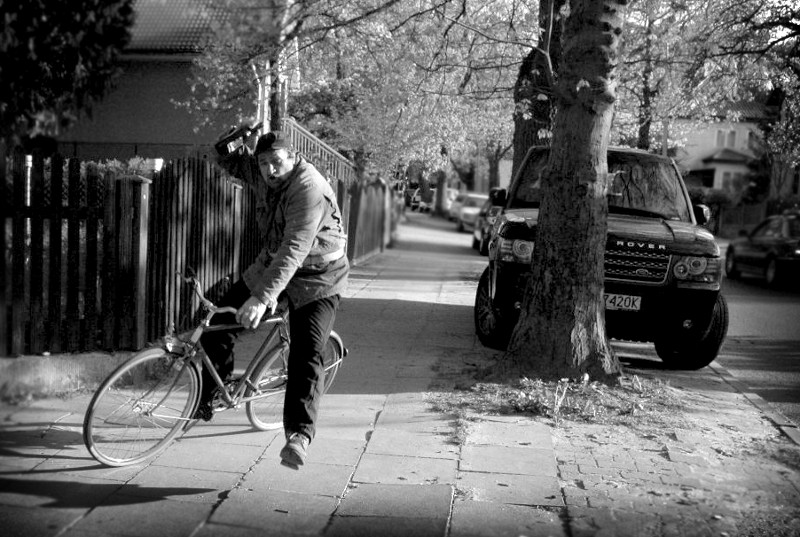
[56, 58]
[392, 81]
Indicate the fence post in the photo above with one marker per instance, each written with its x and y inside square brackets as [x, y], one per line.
[134, 192]
[18, 310]
[5, 208]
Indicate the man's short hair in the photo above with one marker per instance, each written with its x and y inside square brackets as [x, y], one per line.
[272, 141]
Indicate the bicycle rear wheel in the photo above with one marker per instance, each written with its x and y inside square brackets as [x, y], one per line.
[268, 383]
[140, 407]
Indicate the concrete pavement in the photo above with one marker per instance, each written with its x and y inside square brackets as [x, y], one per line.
[386, 462]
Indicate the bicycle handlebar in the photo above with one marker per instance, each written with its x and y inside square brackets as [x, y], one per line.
[210, 306]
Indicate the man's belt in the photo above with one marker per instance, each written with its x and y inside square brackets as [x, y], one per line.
[324, 258]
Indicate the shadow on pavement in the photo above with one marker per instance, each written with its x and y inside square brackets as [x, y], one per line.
[66, 494]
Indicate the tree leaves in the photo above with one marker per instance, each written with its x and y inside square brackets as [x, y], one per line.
[56, 58]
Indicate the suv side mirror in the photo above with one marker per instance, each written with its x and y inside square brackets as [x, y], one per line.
[498, 196]
[702, 214]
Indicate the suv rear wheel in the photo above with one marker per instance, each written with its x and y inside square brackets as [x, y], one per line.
[493, 328]
[692, 353]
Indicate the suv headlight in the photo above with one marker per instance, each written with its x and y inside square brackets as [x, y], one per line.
[514, 250]
[698, 269]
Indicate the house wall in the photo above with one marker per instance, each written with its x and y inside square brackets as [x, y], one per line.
[703, 142]
[138, 118]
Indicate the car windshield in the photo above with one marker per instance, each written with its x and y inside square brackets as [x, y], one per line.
[642, 185]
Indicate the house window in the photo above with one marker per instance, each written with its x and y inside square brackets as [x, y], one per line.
[731, 139]
[726, 138]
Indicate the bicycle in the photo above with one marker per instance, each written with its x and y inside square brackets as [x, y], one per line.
[149, 399]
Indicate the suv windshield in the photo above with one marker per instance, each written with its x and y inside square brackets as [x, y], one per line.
[643, 184]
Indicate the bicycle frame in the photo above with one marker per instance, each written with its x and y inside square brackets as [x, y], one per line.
[189, 347]
[237, 398]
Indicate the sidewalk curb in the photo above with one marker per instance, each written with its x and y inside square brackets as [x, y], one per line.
[787, 426]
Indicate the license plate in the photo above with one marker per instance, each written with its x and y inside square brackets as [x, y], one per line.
[623, 302]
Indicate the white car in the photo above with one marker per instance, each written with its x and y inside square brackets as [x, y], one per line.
[468, 212]
[455, 205]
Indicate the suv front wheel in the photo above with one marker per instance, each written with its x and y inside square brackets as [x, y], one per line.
[492, 326]
[696, 353]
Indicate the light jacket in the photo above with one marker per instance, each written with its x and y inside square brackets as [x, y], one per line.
[304, 240]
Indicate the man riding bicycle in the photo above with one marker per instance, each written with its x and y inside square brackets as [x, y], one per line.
[303, 257]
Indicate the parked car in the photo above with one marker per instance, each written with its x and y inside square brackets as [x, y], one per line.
[771, 251]
[427, 200]
[416, 198]
[483, 225]
[663, 270]
[468, 212]
[450, 197]
[455, 205]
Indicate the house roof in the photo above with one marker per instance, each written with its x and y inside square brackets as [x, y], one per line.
[748, 111]
[172, 26]
[728, 155]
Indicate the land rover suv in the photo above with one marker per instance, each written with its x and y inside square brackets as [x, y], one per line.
[662, 272]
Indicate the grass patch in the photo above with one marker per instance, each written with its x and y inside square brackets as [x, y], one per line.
[629, 400]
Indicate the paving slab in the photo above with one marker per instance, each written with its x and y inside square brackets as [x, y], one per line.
[275, 512]
[319, 476]
[509, 460]
[26, 522]
[397, 501]
[201, 453]
[346, 526]
[490, 519]
[510, 489]
[405, 470]
[54, 490]
[510, 431]
[157, 482]
[139, 517]
[388, 441]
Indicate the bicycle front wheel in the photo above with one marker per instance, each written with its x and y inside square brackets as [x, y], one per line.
[141, 407]
[268, 385]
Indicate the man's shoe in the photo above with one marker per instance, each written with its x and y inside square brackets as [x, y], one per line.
[204, 411]
[293, 453]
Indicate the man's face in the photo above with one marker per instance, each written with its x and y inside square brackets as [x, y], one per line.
[275, 164]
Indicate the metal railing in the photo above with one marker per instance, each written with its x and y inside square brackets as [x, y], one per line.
[326, 159]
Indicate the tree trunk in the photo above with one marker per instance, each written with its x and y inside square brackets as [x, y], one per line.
[533, 91]
[561, 331]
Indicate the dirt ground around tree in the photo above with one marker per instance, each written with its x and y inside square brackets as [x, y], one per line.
[659, 453]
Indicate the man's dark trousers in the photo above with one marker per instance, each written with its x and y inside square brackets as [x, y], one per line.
[309, 329]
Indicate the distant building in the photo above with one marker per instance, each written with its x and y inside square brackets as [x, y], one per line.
[719, 153]
[139, 117]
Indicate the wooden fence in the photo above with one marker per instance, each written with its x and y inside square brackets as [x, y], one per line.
[90, 259]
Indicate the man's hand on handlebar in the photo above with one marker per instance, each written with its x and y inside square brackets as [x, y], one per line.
[251, 312]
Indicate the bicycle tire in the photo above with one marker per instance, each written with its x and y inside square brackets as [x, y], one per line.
[140, 408]
[332, 359]
[268, 382]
